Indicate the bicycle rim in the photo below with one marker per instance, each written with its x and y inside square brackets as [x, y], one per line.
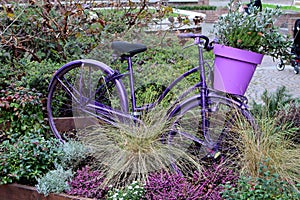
[76, 92]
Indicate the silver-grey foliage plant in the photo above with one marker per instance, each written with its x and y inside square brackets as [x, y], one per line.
[73, 153]
[55, 181]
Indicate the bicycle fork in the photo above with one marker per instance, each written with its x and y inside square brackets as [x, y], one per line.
[211, 149]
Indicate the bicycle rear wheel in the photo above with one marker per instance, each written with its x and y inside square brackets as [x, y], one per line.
[225, 122]
[80, 95]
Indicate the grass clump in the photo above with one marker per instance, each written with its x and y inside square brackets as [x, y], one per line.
[277, 140]
[128, 152]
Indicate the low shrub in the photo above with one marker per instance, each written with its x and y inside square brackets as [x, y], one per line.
[54, 181]
[74, 154]
[206, 184]
[163, 185]
[268, 186]
[290, 114]
[29, 74]
[212, 179]
[87, 183]
[21, 112]
[27, 158]
[272, 103]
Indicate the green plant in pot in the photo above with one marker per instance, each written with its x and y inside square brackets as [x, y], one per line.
[250, 36]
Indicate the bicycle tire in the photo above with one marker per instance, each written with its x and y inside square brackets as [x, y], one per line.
[280, 65]
[225, 117]
[296, 68]
[76, 85]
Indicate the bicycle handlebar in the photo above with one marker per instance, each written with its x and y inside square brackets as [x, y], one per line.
[208, 46]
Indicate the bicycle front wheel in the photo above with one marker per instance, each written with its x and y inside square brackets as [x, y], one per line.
[77, 93]
[216, 135]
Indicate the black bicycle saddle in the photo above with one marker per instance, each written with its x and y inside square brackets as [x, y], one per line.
[127, 49]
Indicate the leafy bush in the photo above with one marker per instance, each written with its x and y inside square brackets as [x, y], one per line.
[87, 183]
[38, 75]
[27, 158]
[272, 103]
[134, 191]
[283, 108]
[268, 186]
[54, 181]
[29, 74]
[290, 114]
[20, 112]
[64, 29]
[47, 30]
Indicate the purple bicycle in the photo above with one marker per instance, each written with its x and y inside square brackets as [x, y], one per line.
[86, 92]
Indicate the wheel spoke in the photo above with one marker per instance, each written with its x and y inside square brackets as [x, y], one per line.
[224, 120]
[75, 102]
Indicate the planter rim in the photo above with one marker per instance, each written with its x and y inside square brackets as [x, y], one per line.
[17, 191]
[238, 54]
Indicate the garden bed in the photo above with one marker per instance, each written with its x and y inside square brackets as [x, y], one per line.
[23, 192]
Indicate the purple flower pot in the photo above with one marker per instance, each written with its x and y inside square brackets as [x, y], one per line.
[234, 68]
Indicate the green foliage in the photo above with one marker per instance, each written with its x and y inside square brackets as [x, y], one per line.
[20, 113]
[282, 7]
[134, 191]
[65, 29]
[71, 155]
[29, 74]
[272, 103]
[26, 159]
[164, 60]
[38, 75]
[268, 186]
[54, 181]
[46, 30]
[255, 32]
[290, 114]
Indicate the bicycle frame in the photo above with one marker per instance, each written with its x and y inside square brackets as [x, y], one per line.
[204, 99]
[136, 110]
